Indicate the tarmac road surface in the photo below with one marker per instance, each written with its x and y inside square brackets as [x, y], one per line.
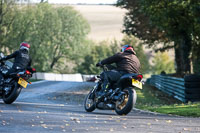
[39, 110]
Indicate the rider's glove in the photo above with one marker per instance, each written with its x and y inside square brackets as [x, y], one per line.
[98, 64]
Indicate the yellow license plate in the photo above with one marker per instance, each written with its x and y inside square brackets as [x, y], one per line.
[137, 83]
[22, 82]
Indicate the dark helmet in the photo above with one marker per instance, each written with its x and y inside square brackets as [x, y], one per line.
[126, 47]
[24, 46]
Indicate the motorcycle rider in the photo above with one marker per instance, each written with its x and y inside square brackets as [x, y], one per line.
[126, 62]
[22, 60]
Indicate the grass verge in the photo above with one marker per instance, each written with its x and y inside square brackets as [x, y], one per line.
[154, 100]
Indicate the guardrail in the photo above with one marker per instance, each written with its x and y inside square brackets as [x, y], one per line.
[183, 89]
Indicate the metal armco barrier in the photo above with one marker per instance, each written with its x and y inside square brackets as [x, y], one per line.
[64, 77]
[58, 77]
[184, 89]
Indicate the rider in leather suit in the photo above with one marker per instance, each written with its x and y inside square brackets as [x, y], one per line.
[126, 62]
[22, 60]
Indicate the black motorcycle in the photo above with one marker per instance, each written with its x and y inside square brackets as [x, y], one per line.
[120, 97]
[13, 84]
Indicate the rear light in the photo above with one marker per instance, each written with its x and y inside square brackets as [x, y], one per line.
[139, 77]
[33, 69]
[27, 72]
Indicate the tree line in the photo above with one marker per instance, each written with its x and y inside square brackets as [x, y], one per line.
[174, 24]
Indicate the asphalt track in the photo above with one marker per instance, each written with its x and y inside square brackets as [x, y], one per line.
[38, 111]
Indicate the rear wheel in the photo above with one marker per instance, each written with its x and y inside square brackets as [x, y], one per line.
[125, 104]
[89, 103]
[13, 94]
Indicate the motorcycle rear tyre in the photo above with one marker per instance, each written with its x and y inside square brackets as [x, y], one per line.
[130, 103]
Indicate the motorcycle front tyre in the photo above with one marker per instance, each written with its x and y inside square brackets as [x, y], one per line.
[91, 107]
[12, 96]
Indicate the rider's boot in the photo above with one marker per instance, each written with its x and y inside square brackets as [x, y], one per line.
[105, 89]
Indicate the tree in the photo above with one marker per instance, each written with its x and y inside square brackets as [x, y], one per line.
[174, 19]
[196, 39]
[98, 53]
[162, 62]
[7, 17]
[137, 23]
[71, 36]
[56, 34]
[41, 1]
[196, 57]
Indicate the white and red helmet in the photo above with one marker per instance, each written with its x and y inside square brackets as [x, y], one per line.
[25, 46]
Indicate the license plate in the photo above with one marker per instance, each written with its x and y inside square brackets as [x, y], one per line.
[22, 82]
[137, 83]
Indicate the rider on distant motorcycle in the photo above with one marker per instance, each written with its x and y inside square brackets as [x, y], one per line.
[126, 62]
[22, 60]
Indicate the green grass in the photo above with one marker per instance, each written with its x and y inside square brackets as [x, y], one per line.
[154, 100]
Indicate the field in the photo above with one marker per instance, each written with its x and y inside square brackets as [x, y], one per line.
[106, 22]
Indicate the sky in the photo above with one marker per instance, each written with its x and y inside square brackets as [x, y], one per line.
[82, 1]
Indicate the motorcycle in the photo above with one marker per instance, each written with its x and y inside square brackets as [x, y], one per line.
[120, 97]
[13, 84]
